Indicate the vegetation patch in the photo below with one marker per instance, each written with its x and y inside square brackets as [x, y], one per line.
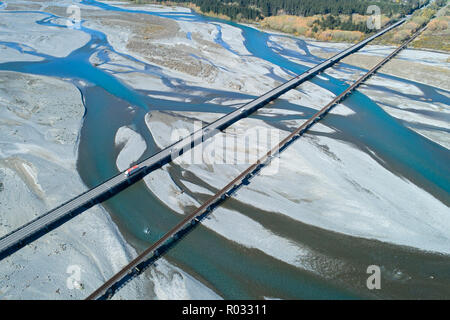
[437, 34]
[333, 20]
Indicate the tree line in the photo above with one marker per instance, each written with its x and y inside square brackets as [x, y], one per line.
[257, 9]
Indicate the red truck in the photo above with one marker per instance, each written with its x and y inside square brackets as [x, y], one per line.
[131, 171]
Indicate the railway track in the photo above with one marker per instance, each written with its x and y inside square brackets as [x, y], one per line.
[152, 253]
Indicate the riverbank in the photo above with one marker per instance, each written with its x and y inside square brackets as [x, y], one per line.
[434, 38]
[37, 171]
[316, 28]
